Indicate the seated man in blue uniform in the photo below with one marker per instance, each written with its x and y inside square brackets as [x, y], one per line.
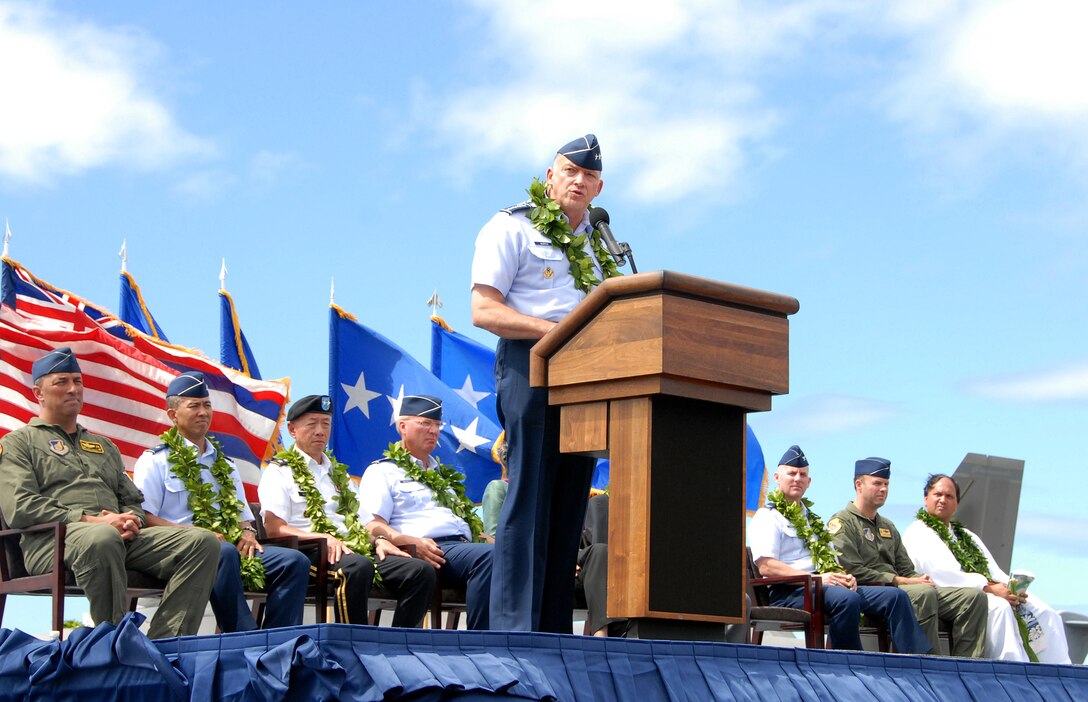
[307, 493]
[188, 481]
[410, 498]
[527, 276]
[54, 470]
[787, 538]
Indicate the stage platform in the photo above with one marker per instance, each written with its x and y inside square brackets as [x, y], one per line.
[340, 662]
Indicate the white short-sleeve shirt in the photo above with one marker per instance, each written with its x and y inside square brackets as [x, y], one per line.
[409, 506]
[164, 493]
[770, 535]
[280, 495]
[521, 263]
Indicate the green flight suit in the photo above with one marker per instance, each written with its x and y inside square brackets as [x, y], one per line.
[47, 475]
[873, 552]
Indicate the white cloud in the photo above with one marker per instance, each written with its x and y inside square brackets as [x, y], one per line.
[75, 99]
[267, 166]
[1065, 383]
[205, 186]
[670, 88]
[820, 415]
[981, 80]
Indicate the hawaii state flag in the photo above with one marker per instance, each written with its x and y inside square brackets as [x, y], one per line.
[369, 376]
[125, 380]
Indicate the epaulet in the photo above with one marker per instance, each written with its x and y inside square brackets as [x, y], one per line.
[520, 207]
[380, 460]
[770, 505]
[277, 461]
[157, 449]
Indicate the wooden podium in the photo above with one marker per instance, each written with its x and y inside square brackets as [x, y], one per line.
[657, 371]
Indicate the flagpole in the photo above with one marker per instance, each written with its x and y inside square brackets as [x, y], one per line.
[223, 276]
[7, 236]
[332, 290]
[435, 303]
[123, 255]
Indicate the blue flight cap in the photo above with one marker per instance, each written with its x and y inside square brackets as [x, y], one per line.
[794, 456]
[188, 384]
[60, 360]
[311, 403]
[876, 467]
[583, 152]
[421, 406]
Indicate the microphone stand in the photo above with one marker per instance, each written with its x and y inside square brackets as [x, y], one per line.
[626, 256]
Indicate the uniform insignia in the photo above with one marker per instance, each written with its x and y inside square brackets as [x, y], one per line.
[834, 526]
[58, 447]
[91, 446]
[158, 449]
[326, 403]
[885, 533]
[520, 207]
[548, 272]
[868, 534]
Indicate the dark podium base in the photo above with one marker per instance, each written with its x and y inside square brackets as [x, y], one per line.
[679, 630]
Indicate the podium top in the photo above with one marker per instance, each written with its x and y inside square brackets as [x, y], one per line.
[659, 282]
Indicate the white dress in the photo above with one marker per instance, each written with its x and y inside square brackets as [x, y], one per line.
[932, 557]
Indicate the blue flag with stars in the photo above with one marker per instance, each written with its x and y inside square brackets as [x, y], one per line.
[369, 376]
[467, 366]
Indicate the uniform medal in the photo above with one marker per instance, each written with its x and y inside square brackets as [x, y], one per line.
[548, 273]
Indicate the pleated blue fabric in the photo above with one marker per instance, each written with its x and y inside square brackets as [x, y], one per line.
[342, 662]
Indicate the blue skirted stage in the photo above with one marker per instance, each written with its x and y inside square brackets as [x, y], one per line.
[340, 662]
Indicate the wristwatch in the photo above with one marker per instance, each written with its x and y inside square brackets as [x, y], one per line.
[249, 529]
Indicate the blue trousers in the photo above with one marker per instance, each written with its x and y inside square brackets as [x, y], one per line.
[468, 565]
[540, 526]
[287, 573]
[843, 608]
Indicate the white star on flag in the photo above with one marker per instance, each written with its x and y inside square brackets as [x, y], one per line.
[359, 396]
[395, 402]
[468, 437]
[470, 393]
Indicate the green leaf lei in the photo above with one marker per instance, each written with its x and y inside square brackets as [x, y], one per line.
[810, 530]
[445, 482]
[347, 504]
[203, 498]
[971, 560]
[549, 220]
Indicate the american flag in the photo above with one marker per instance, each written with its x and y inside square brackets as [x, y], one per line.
[125, 374]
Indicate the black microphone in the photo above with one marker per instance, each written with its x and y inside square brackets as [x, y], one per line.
[598, 219]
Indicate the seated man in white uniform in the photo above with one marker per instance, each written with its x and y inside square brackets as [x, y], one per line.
[954, 556]
[410, 498]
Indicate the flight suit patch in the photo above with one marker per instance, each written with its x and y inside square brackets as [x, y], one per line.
[885, 533]
[834, 526]
[91, 446]
[868, 534]
[58, 447]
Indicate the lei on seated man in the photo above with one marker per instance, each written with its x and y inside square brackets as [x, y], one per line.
[306, 492]
[788, 538]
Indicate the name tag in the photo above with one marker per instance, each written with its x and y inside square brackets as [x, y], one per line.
[91, 446]
[885, 533]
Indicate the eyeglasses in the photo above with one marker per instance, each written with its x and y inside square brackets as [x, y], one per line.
[429, 424]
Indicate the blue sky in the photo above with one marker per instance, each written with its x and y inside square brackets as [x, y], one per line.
[914, 173]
